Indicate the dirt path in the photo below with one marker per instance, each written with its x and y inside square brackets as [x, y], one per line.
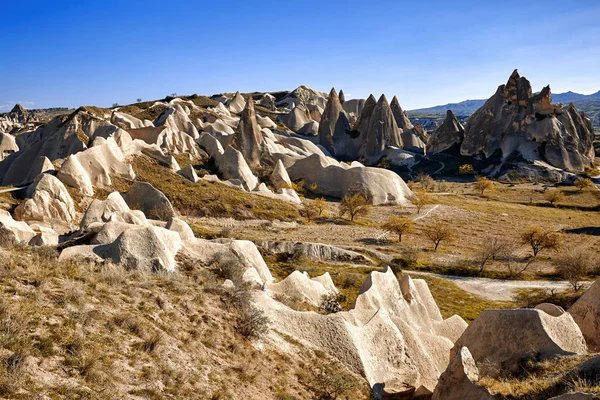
[496, 289]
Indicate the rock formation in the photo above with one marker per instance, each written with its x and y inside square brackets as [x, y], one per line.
[586, 313]
[47, 200]
[411, 140]
[504, 337]
[237, 104]
[448, 134]
[151, 201]
[8, 145]
[514, 121]
[248, 138]
[394, 334]
[279, 177]
[336, 179]
[298, 118]
[334, 123]
[382, 131]
[459, 381]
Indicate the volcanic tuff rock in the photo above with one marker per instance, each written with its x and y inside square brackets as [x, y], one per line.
[504, 337]
[297, 118]
[382, 131]
[303, 94]
[114, 208]
[151, 201]
[448, 134]
[411, 140]
[279, 177]
[18, 230]
[336, 179]
[394, 334]
[47, 200]
[237, 104]
[248, 138]
[514, 120]
[459, 381]
[8, 145]
[334, 123]
[299, 286]
[586, 313]
[267, 100]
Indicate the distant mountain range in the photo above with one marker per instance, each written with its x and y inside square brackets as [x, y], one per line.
[590, 104]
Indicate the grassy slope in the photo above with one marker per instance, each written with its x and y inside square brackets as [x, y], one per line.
[218, 199]
[94, 331]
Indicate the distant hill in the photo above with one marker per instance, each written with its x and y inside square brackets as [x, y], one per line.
[590, 104]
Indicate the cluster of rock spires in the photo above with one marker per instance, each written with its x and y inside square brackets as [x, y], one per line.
[394, 334]
[519, 130]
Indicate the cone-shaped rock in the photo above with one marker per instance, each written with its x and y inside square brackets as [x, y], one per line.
[449, 133]
[342, 97]
[334, 122]
[248, 138]
[237, 104]
[400, 115]
[382, 132]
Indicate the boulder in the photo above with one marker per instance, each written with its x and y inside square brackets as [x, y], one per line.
[279, 177]
[265, 122]
[47, 200]
[147, 248]
[303, 94]
[176, 119]
[94, 167]
[114, 208]
[310, 129]
[447, 135]
[8, 145]
[44, 239]
[18, 231]
[248, 138]
[237, 104]
[297, 118]
[333, 179]
[394, 335]
[189, 173]
[586, 313]
[459, 381]
[181, 227]
[551, 309]
[126, 121]
[504, 338]
[151, 201]
[232, 165]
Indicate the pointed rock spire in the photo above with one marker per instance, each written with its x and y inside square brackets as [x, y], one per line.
[333, 121]
[400, 115]
[449, 133]
[382, 132]
[342, 97]
[248, 137]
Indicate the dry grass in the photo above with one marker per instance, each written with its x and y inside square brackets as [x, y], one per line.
[543, 379]
[207, 198]
[87, 330]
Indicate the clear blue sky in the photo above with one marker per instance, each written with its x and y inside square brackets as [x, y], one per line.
[72, 53]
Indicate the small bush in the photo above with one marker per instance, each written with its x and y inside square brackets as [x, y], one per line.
[439, 232]
[483, 184]
[554, 197]
[354, 206]
[583, 183]
[252, 323]
[465, 169]
[330, 303]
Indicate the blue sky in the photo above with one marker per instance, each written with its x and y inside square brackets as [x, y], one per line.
[72, 53]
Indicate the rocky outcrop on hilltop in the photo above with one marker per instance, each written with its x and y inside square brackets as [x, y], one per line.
[448, 134]
[237, 103]
[303, 94]
[514, 121]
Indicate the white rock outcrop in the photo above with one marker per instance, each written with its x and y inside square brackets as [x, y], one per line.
[337, 180]
[47, 200]
[94, 167]
[586, 313]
